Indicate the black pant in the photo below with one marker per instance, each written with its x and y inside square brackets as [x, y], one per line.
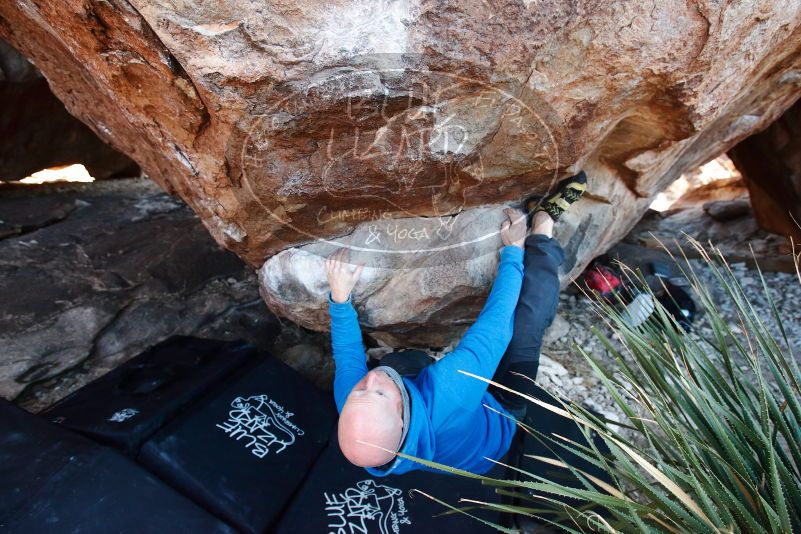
[536, 308]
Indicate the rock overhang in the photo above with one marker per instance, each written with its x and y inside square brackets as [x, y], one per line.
[635, 94]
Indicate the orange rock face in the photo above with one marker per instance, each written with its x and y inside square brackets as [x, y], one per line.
[290, 122]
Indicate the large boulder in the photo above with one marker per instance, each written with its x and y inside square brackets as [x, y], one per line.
[92, 275]
[37, 132]
[287, 123]
[770, 162]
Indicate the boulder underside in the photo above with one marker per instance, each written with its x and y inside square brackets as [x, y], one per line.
[38, 133]
[400, 129]
[770, 162]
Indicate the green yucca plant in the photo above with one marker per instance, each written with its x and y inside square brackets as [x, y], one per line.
[711, 435]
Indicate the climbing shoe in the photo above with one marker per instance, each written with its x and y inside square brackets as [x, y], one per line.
[567, 192]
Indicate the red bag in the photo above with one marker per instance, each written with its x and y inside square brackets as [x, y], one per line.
[602, 280]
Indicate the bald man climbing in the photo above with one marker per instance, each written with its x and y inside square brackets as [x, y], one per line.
[437, 413]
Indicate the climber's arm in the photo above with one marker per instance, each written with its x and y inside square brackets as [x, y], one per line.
[349, 356]
[346, 337]
[480, 350]
[482, 347]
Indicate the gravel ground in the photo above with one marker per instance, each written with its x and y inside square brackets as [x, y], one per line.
[565, 371]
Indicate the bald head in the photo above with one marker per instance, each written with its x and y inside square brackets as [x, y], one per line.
[372, 415]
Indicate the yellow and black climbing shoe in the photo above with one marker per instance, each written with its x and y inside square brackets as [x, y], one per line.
[567, 192]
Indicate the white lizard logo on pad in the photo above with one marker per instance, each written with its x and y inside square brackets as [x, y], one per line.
[264, 423]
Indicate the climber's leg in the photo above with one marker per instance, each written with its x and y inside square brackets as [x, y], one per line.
[535, 311]
[539, 296]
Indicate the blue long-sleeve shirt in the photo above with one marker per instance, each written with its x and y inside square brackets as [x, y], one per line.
[448, 421]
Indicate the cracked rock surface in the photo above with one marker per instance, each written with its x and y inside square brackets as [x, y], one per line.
[91, 276]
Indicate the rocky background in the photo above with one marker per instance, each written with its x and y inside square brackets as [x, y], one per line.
[771, 162]
[93, 274]
[284, 123]
[37, 132]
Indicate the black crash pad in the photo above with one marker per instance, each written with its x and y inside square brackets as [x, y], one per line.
[125, 406]
[338, 497]
[549, 425]
[244, 448]
[52, 480]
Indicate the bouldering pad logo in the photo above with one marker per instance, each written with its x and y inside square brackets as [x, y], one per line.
[395, 156]
[367, 507]
[123, 415]
[263, 423]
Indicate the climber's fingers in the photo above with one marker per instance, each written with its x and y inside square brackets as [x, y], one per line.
[344, 256]
[338, 263]
[358, 272]
[334, 262]
[515, 216]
